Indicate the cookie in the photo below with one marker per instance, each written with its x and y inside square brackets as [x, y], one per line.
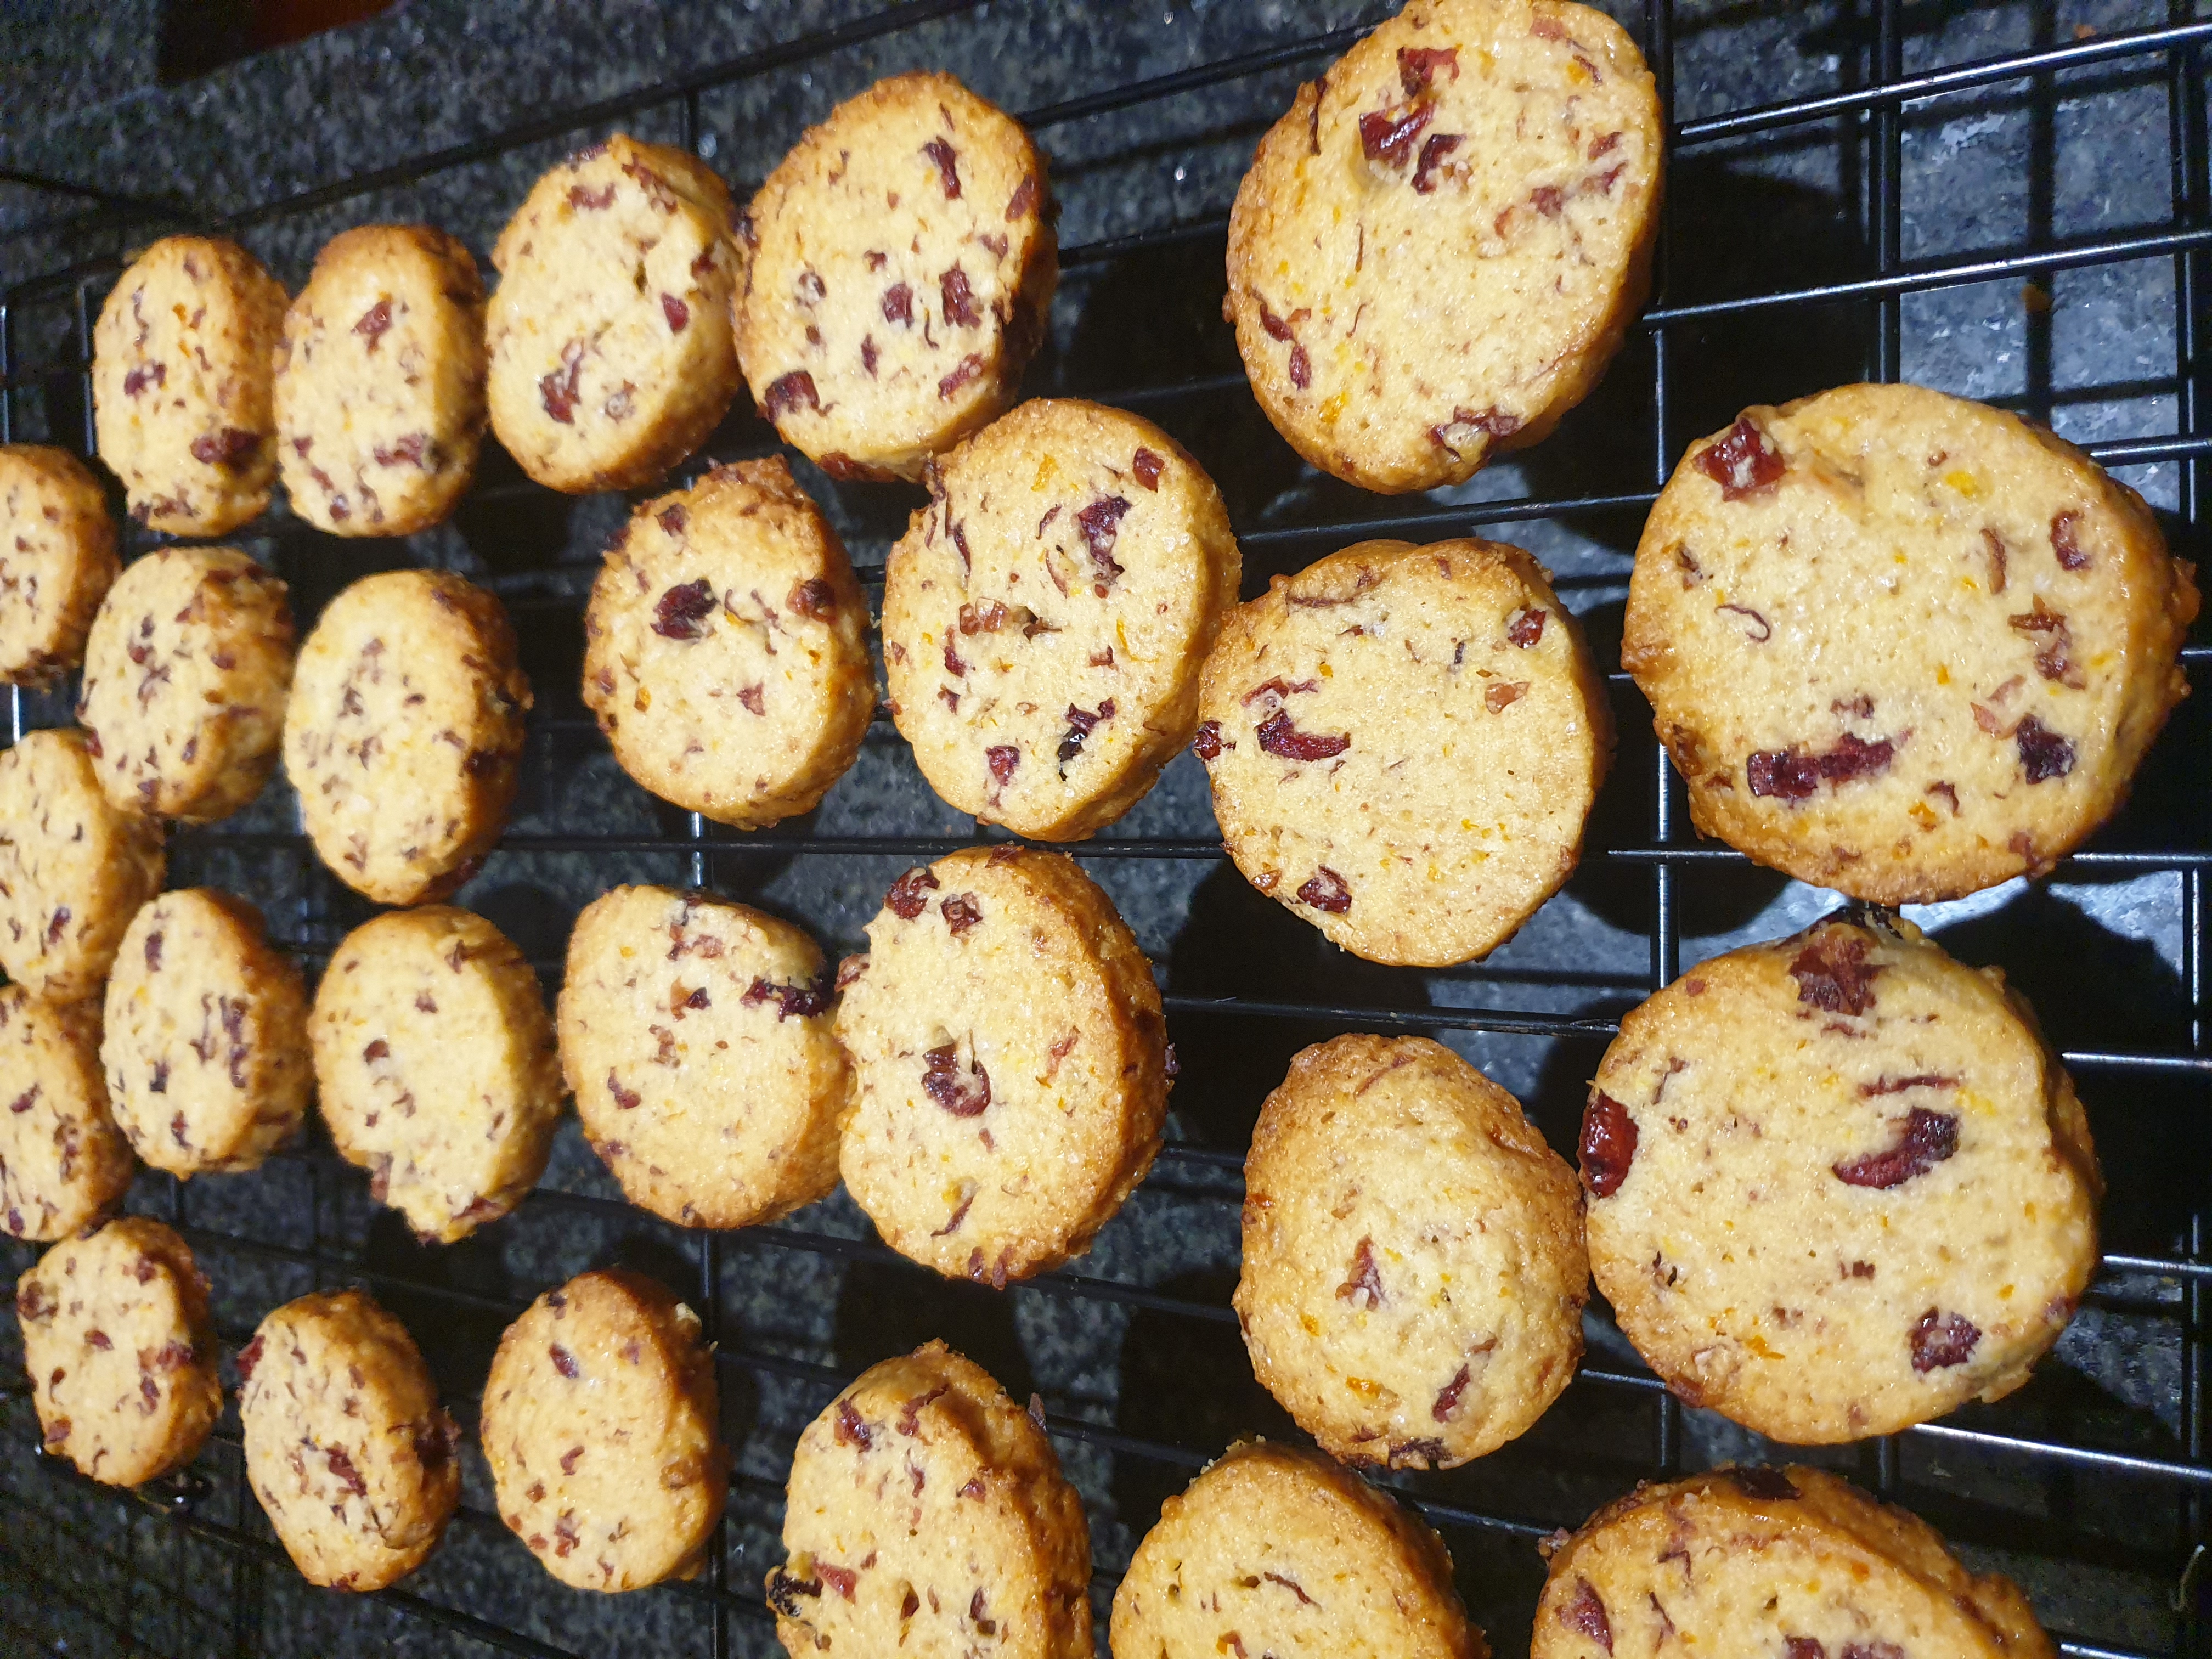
[726, 648]
[1414, 1271]
[404, 732]
[1755, 1560]
[1439, 248]
[436, 1069]
[57, 560]
[1838, 1184]
[379, 382]
[180, 385]
[1903, 645]
[346, 1445]
[1404, 744]
[1278, 1550]
[927, 1514]
[73, 868]
[204, 1046]
[1010, 1064]
[121, 1351]
[62, 1162]
[185, 677]
[1045, 617]
[609, 330]
[600, 1426]
[902, 260]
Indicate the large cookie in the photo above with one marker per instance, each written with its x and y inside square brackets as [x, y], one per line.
[56, 559]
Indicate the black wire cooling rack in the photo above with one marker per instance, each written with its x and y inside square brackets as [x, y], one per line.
[2091, 1487]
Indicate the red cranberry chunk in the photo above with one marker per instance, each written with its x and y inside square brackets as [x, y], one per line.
[908, 897]
[1208, 744]
[229, 448]
[1831, 973]
[1584, 1615]
[2044, 754]
[677, 313]
[1101, 524]
[1925, 1140]
[1433, 152]
[1002, 758]
[1418, 66]
[373, 321]
[1279, 736]
[1759, 1480]
[1147, 466]
[682, 611]
[1325, 889]
[959, 300]
[960, 913]
[787, 392]
[558, 391]
[1526, 626]
[946, 160]
[1387, 134]
[2065, 529]
[1940, 1340]
[1609, 1144]
[1363, 1284]
[1741, 462]
[941, 1082]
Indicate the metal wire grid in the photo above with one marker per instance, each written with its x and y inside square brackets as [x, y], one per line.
[1878, 105]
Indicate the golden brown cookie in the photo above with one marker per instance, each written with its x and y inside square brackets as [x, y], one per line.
[62, 1162]
[56, 559]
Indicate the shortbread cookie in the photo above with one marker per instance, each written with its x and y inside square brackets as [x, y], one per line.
[1414, 1271]
[1009, 1064]
[610, 331]
[56, 559]
[121, 1351]
[928, 1513]
[1046, 616]
[1404, 743]
[726, 648]
[205, 1041]
[600, 1426]
[1902, 645]
[1838, 1185]
[186, 678]
[1792, 1562]
[346, 1445]
[404, 732]
[1441, 246]
[73, 869]
[902, 269]
[180, 385]
[380, 392]
[1276, 1550]
[436, 1068]
[62, 1162]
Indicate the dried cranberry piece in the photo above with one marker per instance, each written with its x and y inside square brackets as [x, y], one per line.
[1147, 466]
[1757, 629]
[1609, 1144]
[906, 899]
[1002, 758]
[1448, 1396]
[1418, 66]
[1526, 626]
[851, 1429]
[676, 311]
[2071, 555]
[683, 611]
[792, 1001]
[1363, 1285]
[813, 598]
[1831, 973]
[628, 1100]
[1276, 327]
[1024, 198]
[1802, 1647]
[229, 448]
[585, 200]
[940, 1080]
[248, 1357]
[1206, 744]
[1300, 368]
[563, 1361]
[898, 304]
[1790, 773]
[1762, 1481]
[784, 1591]
[960, 913]
[1741, 462]
[1927, 1139]
[1080, 725]
[1584, 1615]
[1940, 1340]
[948, 175]
[1438, 146]
[1387, 134]
[2044, 754]
[146, 374]
[959, 301]
[58, 924]
[407, 451]
[373, 321]
[788, 392]
[962, 372]
[1279, 736]
[1325, 889]
[342, 1467]
[558, 391]
[1101, 524]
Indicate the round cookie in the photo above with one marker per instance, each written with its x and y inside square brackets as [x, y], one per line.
[1281, 1551]
[1404, 744]
[62, 1162]
[1903, 645]
[56, 559]
[436, 1069]
[205, 1041]
[379, 382]
[600, 1425]
[609, 330]
[1046, 617]
[1439, 248]
[120, 1350]
[346, 1445]
[180, 385]
[926, 1513]
[902, 269]
[73, 869]
[1838, 1184]
[404, 732]
[185, 677]
[1010, 1064]
[1755, 1560]
[726, 648]
[1414, 1266]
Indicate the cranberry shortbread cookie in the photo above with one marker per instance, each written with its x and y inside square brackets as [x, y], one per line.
[56, 559]
[902, 264]
[1046, 616]
[62, 1162]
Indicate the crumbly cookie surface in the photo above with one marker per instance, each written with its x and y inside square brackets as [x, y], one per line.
[56, 559]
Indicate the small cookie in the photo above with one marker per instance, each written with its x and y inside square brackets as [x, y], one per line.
[726, 648]
[379, 389]
[56, 559]
[404, 732]
[928, 1513]
[186, 678]
[1786, 1561]
[180, 385]
[1010, 1064]
[435, 1065]
[1414, 1271]
[1903, 645]
[600, 1424]
[205, 1041]
[121, 1351]
[1441, 246]
[62, 1162]
[1404, 744]
[1046, 617]
[1274, 1549]
[609, 330]
[1838, 1184]
[346, 1445]
[73, 869]
[902, 269]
